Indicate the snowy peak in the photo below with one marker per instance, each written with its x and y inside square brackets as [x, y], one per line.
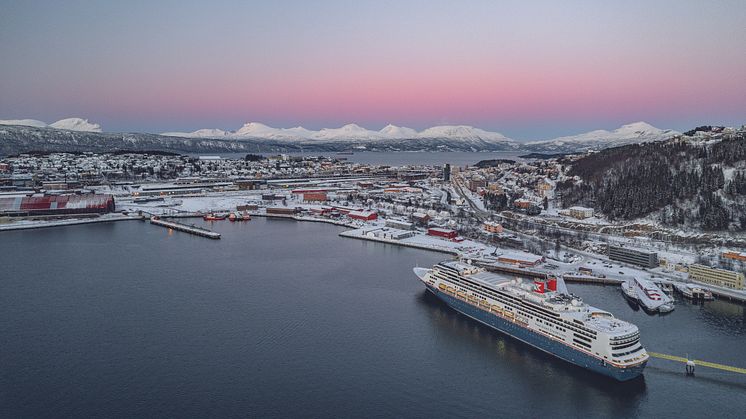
[462, 132]
[392, 131]
[255, 129]
[76, 124]
[70, 124]
[637, 132]
[347, 132]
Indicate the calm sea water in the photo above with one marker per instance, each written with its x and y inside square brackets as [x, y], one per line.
[286, 319]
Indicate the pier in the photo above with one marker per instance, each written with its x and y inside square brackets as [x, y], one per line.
[185, 228]
[691, 363]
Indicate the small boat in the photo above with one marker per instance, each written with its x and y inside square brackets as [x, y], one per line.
[693, 292]
[650, 297]
[214, 217]
[629, 293]
[237, 216]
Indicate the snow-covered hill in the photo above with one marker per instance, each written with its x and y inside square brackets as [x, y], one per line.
[24, 122]
[71, 124]
[638, 132]
[76, 124]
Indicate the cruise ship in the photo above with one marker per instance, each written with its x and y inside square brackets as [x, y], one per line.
[648, 295]
[535, 313]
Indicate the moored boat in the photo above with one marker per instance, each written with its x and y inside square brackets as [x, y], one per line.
[651, 297]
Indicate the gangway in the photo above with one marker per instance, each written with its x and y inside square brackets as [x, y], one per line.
[689, 362]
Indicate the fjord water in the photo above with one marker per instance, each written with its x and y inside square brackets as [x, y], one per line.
[286, 319]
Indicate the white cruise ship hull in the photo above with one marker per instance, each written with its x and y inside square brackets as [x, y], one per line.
[537, 340]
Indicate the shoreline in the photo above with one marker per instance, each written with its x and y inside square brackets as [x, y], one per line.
[31, 225]
[351, 234]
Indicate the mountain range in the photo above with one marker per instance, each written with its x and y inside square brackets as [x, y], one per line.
[28, 134]
[70, 124]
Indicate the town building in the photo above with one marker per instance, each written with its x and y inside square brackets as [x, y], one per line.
[476, 183]
[633, 256]
[718, 277]
[492, 227]
[580, 213]
[739, 256]
[447, 172]
[714, 276]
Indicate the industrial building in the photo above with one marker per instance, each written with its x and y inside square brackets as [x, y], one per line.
[442, 232]
[389, 233]
[363, 215]
[522, 259]
[633, 256]
[57, 204]
[281, 211]
[315, 196]
[718, 277]
[399, 224]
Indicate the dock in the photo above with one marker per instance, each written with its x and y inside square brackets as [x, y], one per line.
[510, 270]
[185, 228]
[590, 279]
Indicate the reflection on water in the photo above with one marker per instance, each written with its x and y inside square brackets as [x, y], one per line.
[286, 319]
[557, 382]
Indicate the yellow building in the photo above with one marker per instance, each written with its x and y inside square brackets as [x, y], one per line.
[713, 276]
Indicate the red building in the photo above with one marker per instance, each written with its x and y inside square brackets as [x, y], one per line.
[363, 215]
[442, 232]
[58, 204]
[314, 196]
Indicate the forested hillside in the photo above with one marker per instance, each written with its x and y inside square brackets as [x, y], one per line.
[697, 182]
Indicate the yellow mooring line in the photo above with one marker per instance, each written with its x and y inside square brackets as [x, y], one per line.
[699, 363]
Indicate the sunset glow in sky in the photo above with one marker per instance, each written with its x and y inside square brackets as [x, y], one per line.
[527, 69]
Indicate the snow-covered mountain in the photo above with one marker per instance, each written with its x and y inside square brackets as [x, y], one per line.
[71, 124]
[24, 135]
[24, 122]
[354, 132]
[392, 131]
[463, 132]
[76, 124]
[637, 132]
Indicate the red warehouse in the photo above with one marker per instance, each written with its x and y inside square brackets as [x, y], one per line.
[363, 215]
[442, 232]
[58, 204]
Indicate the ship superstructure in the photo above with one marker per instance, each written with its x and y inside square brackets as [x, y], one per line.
[534, 312]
